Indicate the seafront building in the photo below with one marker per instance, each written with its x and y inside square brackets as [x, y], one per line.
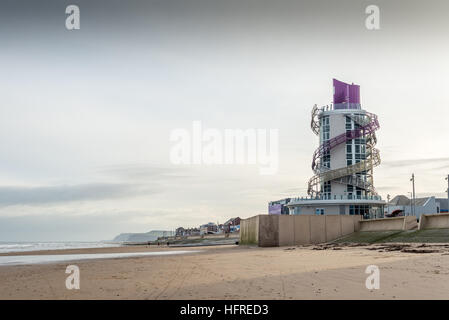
[232, 225]
[279, 206]
[443, 205]
[208, 228]
[403, 206]
[182, 232]
[343, 164]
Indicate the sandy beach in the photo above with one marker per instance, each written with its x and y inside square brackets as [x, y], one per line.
[233, 272]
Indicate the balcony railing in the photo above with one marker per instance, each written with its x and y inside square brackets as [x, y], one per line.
[340, 197]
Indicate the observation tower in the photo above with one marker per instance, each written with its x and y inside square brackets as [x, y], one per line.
[344, 162]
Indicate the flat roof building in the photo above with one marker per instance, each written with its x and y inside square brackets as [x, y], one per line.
[401, 205]
[279, 206]
[443, 204]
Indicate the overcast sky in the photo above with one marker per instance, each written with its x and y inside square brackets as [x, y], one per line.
[86, 115]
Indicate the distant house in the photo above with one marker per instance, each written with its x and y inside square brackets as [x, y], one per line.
[208, 228]
[193, 232]
[403, 206]
[181, 232]
[232, 225]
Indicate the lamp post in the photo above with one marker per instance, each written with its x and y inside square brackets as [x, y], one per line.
[388, 204]
[411, 195]
[447, 178]
[413, 184]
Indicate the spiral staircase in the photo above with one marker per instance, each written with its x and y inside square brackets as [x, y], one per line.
[367, 125]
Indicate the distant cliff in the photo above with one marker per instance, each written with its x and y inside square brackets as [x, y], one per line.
[142, 237]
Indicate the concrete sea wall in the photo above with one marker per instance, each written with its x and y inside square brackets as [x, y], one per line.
[249, 230]
[434, 221]
[389, 224]
[285, 230]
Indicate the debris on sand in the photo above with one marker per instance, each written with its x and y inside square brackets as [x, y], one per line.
[388, 247]
[329, 246]
[385, 247]
[356, 244]
[396, 247]
[415, 250]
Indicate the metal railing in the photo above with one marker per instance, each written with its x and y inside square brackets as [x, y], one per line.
[339, 197]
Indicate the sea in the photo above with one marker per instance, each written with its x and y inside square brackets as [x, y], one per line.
[6, 247]
[17, 259]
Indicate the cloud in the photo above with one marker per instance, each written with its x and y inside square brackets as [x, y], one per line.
[134, 172]
[13, 195]
[386, 188]
[416, 162]
[64, 227]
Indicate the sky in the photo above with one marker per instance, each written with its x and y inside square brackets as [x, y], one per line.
[86, 115]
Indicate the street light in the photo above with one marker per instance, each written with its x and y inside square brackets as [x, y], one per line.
[388, 204]
[411, 194]
[447, 178]
[413, 184]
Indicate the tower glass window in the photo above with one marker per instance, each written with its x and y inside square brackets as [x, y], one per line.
[362, 209]
[325, 135]
[326, 190]
[325, 128]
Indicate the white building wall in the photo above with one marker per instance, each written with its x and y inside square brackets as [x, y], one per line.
[308, 210]
[337, 122]
[338, 157]
[430, 207]
[338, 189]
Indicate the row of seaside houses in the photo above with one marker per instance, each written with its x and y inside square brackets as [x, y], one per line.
[231, 225]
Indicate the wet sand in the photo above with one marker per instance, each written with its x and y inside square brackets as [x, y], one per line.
[233, 272]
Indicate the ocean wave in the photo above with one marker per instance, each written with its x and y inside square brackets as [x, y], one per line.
[7, 247]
